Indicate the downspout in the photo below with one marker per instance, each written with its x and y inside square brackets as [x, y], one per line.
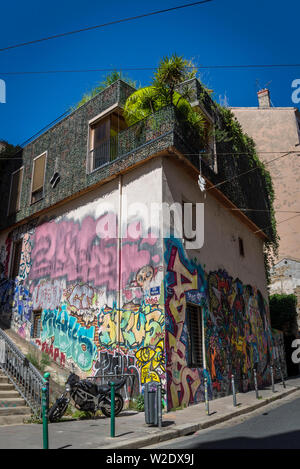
[119, 260]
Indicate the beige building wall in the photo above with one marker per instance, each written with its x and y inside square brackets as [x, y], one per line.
[222, 231]
[276, 131]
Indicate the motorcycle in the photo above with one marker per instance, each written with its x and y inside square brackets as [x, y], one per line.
[88, 396]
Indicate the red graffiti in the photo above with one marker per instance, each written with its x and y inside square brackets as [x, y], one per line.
[53, 352]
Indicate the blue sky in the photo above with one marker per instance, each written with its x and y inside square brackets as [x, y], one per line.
[217, 33]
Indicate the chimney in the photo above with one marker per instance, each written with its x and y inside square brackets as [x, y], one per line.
[264, 98]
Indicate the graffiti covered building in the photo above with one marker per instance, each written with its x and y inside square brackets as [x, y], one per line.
[89, 276]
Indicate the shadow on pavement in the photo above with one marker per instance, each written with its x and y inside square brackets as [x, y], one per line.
[289, 440]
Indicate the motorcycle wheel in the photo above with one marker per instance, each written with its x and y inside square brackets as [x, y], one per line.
[58, 409]
[105, 408]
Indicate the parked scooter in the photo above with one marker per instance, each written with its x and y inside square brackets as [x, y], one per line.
[87, 396]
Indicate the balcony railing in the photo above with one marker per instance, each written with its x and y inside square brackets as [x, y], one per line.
[166, 121]
[21, 373]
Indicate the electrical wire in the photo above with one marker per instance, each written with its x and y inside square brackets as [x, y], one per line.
[249, 171]
[123, 20]
[136, 69]
[277, 223]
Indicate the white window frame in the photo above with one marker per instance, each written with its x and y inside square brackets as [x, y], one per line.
[32, 172]
[91, 123]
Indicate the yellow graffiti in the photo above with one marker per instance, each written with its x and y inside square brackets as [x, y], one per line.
[131, 328]
[151, 361]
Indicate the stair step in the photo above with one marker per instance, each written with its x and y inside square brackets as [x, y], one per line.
[21, 410]
[11, 402]
[13, 419]
[12, 394]
[6, 387]
[3, 379]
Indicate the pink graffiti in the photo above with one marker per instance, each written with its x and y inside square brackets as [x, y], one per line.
[85, 251]
[47, 294]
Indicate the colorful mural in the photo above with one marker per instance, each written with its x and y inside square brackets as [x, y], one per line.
[69, 272]
[237, 332]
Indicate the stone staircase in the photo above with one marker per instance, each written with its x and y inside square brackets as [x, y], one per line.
[13, 408]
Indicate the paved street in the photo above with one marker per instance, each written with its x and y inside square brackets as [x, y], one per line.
[277, 426]
[132, 432]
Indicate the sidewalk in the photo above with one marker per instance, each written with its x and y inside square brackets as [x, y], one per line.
[131, 430]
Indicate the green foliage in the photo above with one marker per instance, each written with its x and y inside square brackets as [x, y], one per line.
[41, 363]
[146, 101]
[33, 419]
[140, 403]
[109, 80]
[82, 415]
[283, 311]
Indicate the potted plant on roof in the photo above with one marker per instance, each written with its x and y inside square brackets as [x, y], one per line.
[148, 101]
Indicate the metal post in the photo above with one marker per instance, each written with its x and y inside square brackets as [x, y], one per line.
[233, 390]
[112, 410]
[159, 408]
[272, 377]
[47, 381]
[45, 409]
[282, 378]
[255, 383]
[206, 397]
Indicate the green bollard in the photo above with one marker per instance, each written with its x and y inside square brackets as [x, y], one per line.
[112, 410]
[45, 409]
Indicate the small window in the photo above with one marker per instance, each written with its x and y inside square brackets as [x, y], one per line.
[241, 247]
[15, 191]
[103, 145]
[38, 178]
[15, 265]
[36, 324]
[194, 325]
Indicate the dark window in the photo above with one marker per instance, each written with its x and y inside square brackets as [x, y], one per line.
[38, 176]
[104, 139]
[15, 265]
[36, 326]
[241, 247]
[15, 191]
[194, 325]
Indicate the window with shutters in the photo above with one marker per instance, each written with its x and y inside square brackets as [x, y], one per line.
[38, 178]
[36, 324]
[195, 341]
[15, 191]
[103, 139]
[16, 258]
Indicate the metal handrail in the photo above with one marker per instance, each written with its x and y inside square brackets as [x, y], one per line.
[22, 374]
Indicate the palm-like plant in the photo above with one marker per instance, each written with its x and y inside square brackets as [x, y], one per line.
[146, 101]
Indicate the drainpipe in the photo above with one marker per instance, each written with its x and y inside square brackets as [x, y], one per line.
[119, 258]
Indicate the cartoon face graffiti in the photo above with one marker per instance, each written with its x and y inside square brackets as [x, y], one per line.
[144, 277]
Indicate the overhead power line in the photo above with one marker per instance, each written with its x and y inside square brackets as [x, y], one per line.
[136, 69]
[250, 170]
[98, 26]
[260, 210]
[279, 222]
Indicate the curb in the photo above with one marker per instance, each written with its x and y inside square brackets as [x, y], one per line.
[186, 429]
